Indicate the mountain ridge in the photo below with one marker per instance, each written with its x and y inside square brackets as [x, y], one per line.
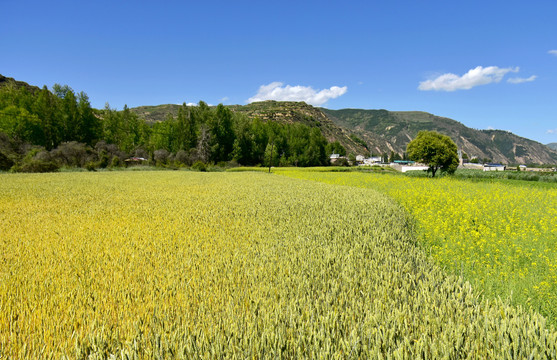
[383, 131]
[394, 129]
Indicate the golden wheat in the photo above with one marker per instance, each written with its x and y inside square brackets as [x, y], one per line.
[232, 265]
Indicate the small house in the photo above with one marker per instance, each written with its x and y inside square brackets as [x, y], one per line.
[494, 167]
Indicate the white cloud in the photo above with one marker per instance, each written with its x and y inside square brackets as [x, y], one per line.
[552, 131]
[552, 52]
[490, 128]
[474, 77]
[276, 91]
[195, 104]
[518, 80]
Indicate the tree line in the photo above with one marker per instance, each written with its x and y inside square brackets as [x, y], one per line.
[41, 130]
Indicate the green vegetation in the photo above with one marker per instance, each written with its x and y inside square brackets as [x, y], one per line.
[234, 265]
[498, 234]
[535, 176]
[435, 150]
[31, 116]
[358, 140]
[42, 131]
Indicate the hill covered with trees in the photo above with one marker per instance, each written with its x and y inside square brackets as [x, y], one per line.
[41, 130]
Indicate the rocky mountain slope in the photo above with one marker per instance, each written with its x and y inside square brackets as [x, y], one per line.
[290, 112]
[394, 129]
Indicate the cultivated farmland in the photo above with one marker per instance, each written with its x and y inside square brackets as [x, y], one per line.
[232, 265]
[501, 235]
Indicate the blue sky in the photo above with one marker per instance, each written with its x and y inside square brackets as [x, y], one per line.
[487, 64]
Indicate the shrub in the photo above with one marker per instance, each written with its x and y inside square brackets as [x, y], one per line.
[38, 166]
[161, 157]
[91, 166]
[5, 162]
[115, 162]
[199, 166]
[72, 154]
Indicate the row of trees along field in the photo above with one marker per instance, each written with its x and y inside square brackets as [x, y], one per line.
[42, 129]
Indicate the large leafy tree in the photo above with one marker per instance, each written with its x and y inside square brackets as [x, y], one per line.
[436, 150]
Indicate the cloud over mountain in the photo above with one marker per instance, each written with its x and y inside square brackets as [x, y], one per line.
[276, 91]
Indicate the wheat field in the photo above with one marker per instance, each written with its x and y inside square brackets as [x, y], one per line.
[185, 265]
[501, 235]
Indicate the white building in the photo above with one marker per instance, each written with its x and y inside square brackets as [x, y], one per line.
[372, 160]
[494, 167]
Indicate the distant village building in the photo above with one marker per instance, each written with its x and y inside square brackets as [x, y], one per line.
[334, 158]
[404, 162]
[494, 167]
[374, 160]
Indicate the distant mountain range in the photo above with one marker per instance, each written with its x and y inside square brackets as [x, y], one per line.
[383, 131]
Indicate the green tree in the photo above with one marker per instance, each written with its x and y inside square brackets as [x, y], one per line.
[163, 134]
[89, 125]
[112, 125]
[435, 150]
[315, 153]
[260, 138]
[19, 124]
[244, 143]
[132, 128]
[271, 155]
[394, 157]
[336, 148]
[69, 114]
[186, 129]
[222, 134]
[46, 108]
